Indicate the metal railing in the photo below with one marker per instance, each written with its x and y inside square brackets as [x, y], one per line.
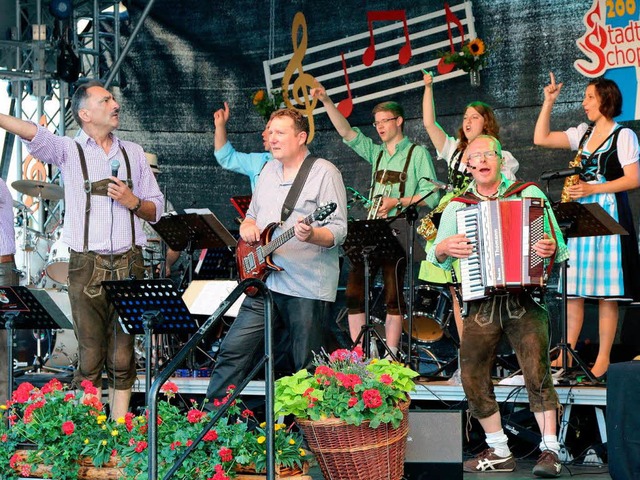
[266, 361]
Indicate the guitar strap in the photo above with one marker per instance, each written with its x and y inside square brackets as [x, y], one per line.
[296, 187]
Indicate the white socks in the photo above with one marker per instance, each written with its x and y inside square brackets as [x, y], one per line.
[550, 442]
[498, 441]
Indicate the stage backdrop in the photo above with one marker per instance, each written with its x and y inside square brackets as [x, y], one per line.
[191, 56]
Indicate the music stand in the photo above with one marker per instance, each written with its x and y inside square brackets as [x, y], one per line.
[216, 264]
[366, 240]
[193, 230]
[27, 309]
[148, 307]
[580, 220]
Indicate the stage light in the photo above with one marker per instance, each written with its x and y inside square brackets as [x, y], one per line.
[61, 9]
[122, 11]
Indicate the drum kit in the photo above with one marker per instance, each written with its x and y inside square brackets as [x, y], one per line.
[434, 345]
[42, 260]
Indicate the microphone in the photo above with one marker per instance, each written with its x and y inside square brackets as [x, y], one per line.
[115, 165]
[439, 185]
[565, 172]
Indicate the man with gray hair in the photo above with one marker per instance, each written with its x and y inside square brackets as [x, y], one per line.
[109, 189]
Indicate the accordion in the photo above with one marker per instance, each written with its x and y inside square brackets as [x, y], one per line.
[502, 233]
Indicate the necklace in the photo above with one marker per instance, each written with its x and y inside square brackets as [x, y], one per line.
[492, 195]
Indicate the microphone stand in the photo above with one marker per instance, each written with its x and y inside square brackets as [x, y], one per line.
[411, 214]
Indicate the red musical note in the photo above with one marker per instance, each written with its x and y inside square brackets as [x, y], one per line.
[345, 107]
[404, 55]
[451, 18]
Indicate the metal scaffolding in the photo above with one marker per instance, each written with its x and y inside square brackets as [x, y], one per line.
[35, 56]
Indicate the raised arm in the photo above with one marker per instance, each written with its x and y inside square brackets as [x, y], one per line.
[340, 123]
[543, 136]
[21, 128]
[434, 130]
[220, 119]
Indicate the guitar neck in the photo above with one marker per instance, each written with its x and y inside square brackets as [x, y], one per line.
[270, 247]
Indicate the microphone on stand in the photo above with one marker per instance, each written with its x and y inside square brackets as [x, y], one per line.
[439, 185]
[555, 174]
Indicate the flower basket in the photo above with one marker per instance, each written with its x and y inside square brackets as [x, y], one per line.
[86, 471]
[355, 452]
[249, 471]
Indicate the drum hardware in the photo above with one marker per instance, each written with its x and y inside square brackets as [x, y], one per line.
[31, 255]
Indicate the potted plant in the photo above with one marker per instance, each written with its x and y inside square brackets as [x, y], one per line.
[46, 431]
[49, 432]
[353, 413]
[234, 444]
[471, 57]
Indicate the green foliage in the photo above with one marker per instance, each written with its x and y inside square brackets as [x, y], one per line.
[265, 104]
[348, 387]
[43, 419]
[472, 56]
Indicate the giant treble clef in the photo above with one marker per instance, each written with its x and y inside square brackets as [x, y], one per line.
[304, 81]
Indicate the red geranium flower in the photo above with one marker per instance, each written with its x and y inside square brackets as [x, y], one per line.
[372, 398]
[226, 455]
[68, 428]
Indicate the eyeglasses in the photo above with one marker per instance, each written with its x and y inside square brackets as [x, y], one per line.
[383, 121]
[477, 156]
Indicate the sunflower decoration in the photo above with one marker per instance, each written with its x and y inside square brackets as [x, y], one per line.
[265, 104]
[471, 57]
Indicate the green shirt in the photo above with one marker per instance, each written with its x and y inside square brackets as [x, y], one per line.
[448, 225]
[421, 166]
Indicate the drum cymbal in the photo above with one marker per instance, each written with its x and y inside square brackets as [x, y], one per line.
[35, 188]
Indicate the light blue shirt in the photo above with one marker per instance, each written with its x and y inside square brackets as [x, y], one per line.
[249, 164]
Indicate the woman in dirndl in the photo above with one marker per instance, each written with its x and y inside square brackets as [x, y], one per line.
[604, 268]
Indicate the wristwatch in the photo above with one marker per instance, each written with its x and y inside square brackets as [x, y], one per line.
[399, 204]
[137, 207]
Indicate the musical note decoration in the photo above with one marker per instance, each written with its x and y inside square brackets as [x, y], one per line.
[304, 82]
[345, 107]
[450, 18]
[404, 55]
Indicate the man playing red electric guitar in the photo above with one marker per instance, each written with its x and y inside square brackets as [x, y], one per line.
[304, 290]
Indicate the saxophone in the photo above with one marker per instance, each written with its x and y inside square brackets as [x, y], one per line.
[576, 162]
[427, 228]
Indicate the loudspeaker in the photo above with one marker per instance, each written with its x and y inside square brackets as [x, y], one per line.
[434, 445]
[623, 421]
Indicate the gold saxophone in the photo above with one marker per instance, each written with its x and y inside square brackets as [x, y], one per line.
[576, 162]
[427, 229]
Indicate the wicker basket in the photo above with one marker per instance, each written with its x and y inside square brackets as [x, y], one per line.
[355, 452]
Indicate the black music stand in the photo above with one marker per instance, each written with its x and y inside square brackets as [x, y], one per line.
[216, 264]
[370, 240]
[148, 307]
[191, 231]
[580, 220]
[27, 309]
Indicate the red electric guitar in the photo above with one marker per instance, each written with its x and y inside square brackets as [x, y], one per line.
[254, 260]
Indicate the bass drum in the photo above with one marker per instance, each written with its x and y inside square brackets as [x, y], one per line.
[57, 267]
[32, 248]
[64, 353]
